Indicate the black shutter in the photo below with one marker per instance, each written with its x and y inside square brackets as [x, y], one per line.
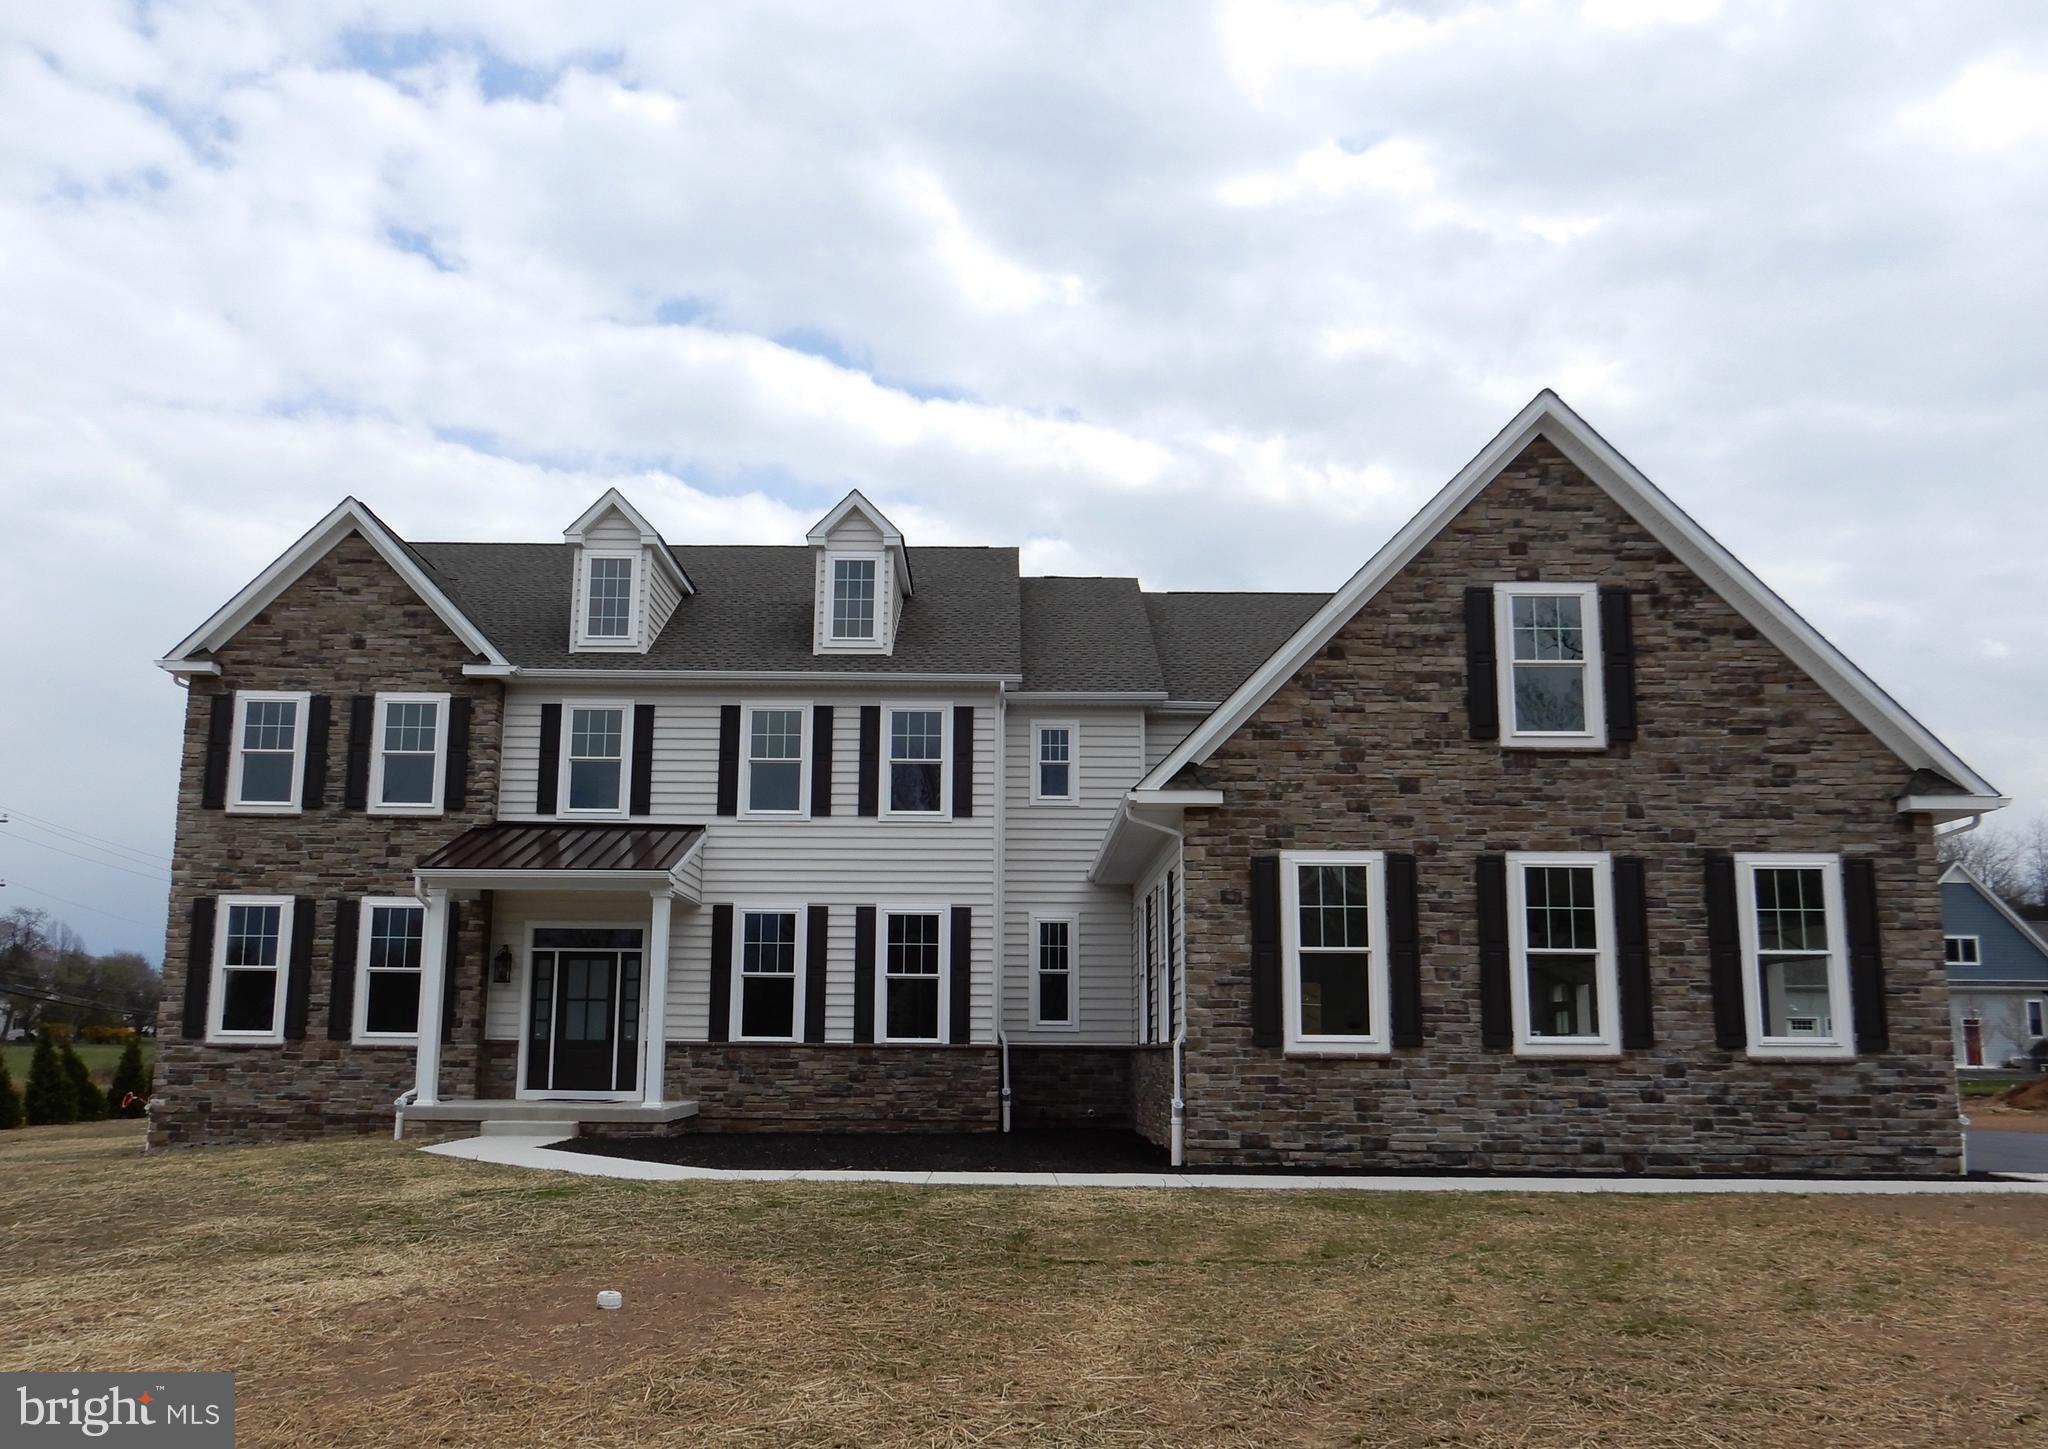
[1265, 924]
[198, 967]
[313, 793]
[298, 981]
[962, 968]
[220, 738]
[815, 934]
[864, 973]
[821, 761]
[1404, 951]
[1632, 954]
[642, 802]
[721, 974]
[729, 760]
[455, 788]
[544, 787]
[1866, 956]
[355, 780]
[451, 957]
[1482, 687]
[963, 761]
[870, 759]
[1618, 661]
[1496, 1009]
[1724, 955]
[341, 975]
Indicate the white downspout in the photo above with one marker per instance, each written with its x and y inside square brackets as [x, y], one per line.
[1177, 1151]
[1002, 922]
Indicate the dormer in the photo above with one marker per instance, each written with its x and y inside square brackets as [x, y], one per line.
[863, 577]
[625, 581]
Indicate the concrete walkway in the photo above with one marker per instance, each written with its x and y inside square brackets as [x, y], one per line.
[533, 1152]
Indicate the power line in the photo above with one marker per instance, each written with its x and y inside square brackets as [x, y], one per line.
[98, 850]
[81, 905]
[82, 837]
[160, 875]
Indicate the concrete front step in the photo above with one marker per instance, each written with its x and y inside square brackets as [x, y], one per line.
[527, 1127]
[507, 1110]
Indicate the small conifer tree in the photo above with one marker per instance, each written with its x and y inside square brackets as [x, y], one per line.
[50, 1098]
[85, 1093]
[10, 1100]
[129, 1094]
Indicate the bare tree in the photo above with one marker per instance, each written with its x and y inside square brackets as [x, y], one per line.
[2011, 860]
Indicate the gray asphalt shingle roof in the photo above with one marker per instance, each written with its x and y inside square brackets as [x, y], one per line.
[1088, 634]
[1208, 644]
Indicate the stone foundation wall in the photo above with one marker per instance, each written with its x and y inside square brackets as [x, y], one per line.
[1152, 1094]
[837, 1088]
[1077, 1086]
[1367, 748]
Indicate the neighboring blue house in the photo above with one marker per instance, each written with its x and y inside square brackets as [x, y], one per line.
[1997, 973]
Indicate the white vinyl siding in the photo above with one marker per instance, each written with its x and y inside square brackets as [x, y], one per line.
[663, 594]
[1163, 732]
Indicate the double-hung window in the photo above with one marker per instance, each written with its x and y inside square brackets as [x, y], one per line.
[1795, 955]
[919, 741]
[406, 770]
[768, 990]
[1053, 762]
[1334, 985]
[251, 941]
[1548, 642]
[389, 939]
[2037, 1020]
[609, 615]
[854, 585]
[776, 782]
[596, 746]
[1053, 1002]
[268, 770]
[913, 976]
[1562, 970]
[1960, 950]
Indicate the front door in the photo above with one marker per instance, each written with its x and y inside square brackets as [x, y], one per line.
[583, 1011]
[1973, 1041]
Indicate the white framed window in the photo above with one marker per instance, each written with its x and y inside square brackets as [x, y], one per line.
[1333, 975]
[390, 934]
[768, 978]
[251, 942]
[2037, 1019]
[597, 740]
[775, 782]
[919, 744]
[409, 760]
[608, 604]
[1561, 959]
[1055, 1003]
[267, 767]
[853, 608]
[1547, 644]
[1055, 759]
[1960, 950]
[1795, 956]
[913, 992]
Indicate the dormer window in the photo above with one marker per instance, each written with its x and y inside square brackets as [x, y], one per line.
[609, 603]
[625, 582]
[853, 599]
[863, 580]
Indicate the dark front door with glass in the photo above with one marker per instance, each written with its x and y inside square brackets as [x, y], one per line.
[583, 1018]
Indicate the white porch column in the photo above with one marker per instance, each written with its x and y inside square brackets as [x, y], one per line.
[433, 971]
[654, 1016]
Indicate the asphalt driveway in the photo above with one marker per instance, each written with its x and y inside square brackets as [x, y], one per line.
[1988, 1150]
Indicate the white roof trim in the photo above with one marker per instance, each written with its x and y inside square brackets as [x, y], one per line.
[349, 516]
[892, 538]
[650, 536]
[1952, 807]
[1547, 416]
[1963, 875]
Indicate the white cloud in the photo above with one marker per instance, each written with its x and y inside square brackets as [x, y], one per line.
[1994, 105]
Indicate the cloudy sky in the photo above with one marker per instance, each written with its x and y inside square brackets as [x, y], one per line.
[1212, 295]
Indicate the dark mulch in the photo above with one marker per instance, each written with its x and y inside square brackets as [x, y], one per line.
[1079, 1150]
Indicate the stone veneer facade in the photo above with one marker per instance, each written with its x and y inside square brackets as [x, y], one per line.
[349, 626]
[836, 1087]
[1367, 747]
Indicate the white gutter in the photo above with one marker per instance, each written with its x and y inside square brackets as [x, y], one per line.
[1001, 923]
[751, 676]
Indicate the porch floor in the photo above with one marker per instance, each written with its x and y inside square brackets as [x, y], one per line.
[505, 1109]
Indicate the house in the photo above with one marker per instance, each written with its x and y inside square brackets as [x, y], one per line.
[1997, 973]
[1553, 840]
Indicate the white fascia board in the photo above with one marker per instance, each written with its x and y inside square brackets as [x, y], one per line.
[1086, 696]
[770, 676]
[1546, 415]
[1129, 847]
[2019, 922]
[188, 666]
[490, 671]
[593, 880]
[1952, 806]
[1175, 799]
[286, 570]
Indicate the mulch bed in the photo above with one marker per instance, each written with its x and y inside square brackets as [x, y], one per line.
[1084, 1150]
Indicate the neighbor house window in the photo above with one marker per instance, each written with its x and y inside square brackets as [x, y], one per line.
[1795, 958]
[1053, 762]
[1548, 639]
[608, 598]
[1959, 950]
[912, 984]
[1052, 982]
[853, 598]
[268, 769]
[594, 762]
[1561, 954]
[406, 768]
[250, 943]
[917, 761]
[2036, 1025]
[388, 969]
[1334, 976]
[768, 998]
[775, 761]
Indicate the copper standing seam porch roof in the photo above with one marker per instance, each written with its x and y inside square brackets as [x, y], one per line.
[566, 847]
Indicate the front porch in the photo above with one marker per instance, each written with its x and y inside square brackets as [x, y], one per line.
[530, 1113]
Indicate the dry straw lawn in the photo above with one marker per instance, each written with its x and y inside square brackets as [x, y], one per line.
[367, 1295]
